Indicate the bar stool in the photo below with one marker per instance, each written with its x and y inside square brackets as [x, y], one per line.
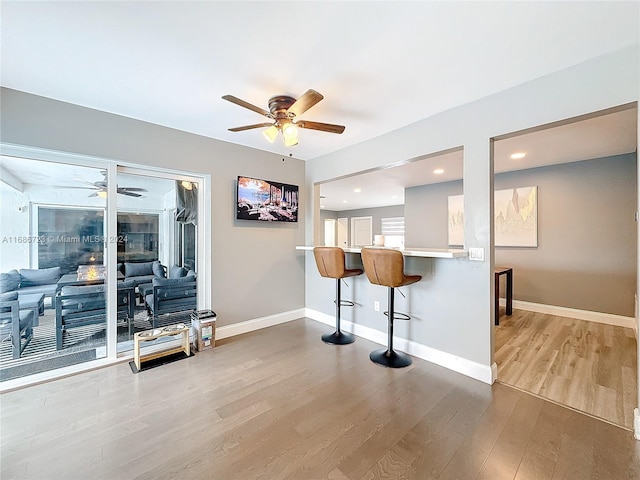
[386, 267]
[331, 264]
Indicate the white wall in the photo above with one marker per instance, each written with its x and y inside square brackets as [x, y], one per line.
[454, 301]
[18, 223]
[14, 225]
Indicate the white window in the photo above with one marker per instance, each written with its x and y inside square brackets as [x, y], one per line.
[393, 230]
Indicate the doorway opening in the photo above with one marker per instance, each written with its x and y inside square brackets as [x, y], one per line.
[571, 336]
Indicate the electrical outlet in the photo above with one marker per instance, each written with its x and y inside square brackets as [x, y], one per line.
[376, 306]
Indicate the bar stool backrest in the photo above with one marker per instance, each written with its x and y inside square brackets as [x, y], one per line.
[386, 267]
[330, 261]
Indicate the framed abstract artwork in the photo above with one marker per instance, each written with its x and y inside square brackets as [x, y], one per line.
[515, 220]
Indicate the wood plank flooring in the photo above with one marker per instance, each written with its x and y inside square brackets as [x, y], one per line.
[280, 404]
[585, 365]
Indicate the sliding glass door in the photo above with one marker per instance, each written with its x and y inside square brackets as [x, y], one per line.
[157, 246]
[53, 309]
[89, 253]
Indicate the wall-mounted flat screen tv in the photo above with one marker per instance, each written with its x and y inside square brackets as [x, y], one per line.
[266, 201]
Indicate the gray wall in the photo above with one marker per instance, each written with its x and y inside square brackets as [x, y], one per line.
[455, 298]
[377, 213]
[324, 214]
[586, 255]
[246, 256]
[425, 217]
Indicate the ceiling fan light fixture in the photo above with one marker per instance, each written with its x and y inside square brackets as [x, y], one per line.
[271, 133]
[290, 142]
[289, 130]
[102, 193]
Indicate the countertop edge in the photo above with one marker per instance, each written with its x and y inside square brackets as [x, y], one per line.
[409, 252]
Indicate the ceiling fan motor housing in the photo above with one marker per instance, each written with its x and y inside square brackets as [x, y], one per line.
[278, 106]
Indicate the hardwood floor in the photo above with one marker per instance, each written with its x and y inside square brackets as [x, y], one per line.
[280, 404]
[585, 365]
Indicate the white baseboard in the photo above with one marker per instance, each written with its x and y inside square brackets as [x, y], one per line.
[606, 318]
[484, 373]
[258, 323]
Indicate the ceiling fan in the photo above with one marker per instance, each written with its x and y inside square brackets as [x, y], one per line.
[100, 188]
[284, 111]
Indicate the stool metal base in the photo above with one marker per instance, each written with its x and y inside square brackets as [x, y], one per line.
[391, 359]
[338, 338]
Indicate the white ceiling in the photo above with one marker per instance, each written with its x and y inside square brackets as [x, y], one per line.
[380, 65]
[598, 137]
[71, 177]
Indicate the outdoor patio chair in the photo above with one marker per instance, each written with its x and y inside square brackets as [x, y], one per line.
[15, 325]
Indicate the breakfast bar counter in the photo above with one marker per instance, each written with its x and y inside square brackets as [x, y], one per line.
[410, 252]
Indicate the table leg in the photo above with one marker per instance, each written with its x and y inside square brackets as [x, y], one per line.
[136, 352]
[509, 292]
[185, 342]
[497, 299]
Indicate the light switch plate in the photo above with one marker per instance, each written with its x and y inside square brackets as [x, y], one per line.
[476, 254]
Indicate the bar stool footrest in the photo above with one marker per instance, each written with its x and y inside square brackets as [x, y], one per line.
[391, 359]
[398, 316]
[345, 303]
[338, 338]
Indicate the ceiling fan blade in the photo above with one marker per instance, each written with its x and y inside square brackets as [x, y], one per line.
[324, 127]
[94, 194]
[131, 189]
[242, 103]
[86, 182]
[305, 102]
[249, 127]
[75, 188]
[129, 194]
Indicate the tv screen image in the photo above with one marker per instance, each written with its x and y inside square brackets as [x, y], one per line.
[267, 201]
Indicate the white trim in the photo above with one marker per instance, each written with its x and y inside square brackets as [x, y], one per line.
[59, 373]
[247, 326]
[484, 373]
[606, 318]
[636, 423]
[494, 372]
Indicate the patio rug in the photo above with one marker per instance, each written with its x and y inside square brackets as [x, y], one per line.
[44, 365]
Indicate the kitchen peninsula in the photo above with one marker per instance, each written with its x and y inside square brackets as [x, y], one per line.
[410, 252]
[434, 304]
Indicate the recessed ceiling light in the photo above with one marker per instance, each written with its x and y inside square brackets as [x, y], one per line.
[321, 206]
[344, 201]
[394, 196]
[518, 155]
[438, 171]
[357, 190]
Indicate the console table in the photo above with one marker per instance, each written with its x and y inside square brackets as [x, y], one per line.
[509, 273]
[150, 335]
